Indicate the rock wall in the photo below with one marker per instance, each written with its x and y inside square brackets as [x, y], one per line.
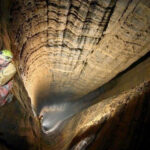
[117, 121]
[73, 47]
[19, 129]
[123, 123]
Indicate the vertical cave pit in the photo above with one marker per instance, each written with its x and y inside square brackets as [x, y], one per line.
[74, 54]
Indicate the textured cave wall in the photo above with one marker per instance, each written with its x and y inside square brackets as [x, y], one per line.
[117, 121]
[122, 124]
[74, 47]
[4, 21]
[19, 129]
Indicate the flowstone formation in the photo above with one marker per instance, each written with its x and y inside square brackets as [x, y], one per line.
[91, 52]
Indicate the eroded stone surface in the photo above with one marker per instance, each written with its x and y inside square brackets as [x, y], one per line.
[77, 46]
[113, 123]
[73, 47]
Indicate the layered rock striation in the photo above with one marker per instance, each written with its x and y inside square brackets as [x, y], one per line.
[65, 50]
[74, 47]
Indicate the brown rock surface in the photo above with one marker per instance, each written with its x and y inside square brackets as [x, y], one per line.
[74, 47]
[77, 46]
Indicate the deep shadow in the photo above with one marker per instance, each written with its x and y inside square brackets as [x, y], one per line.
[14, 141]
[15, 127]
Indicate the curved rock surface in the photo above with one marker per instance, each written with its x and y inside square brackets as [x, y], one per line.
[70, 49]
[76, 46]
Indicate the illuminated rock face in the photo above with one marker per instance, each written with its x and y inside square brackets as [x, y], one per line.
[74, 47]
[65, 49]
